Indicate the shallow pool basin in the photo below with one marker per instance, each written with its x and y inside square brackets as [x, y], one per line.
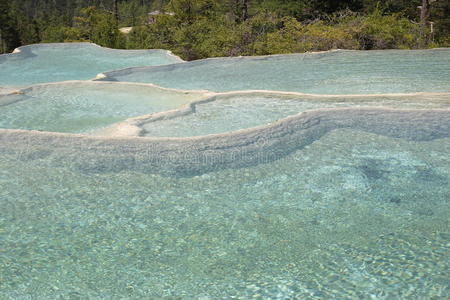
[333, 72]
[83, 107]
[71, 61]
[240, 110]
[117, 190]
[353, 213]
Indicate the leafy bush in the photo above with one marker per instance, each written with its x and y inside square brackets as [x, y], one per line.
[377, 31]
[294, 36]
[159, 35]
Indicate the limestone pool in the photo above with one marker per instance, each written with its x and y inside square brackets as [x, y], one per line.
[235, 111]
[83, 107]
[73, 61]
[119, 190]
[335, 72]
[351, 215]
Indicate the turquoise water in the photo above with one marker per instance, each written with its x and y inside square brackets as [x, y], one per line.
[338, 72]
[352, 215]
[75, 61]
[343, 214]
[240, 111]
[81, 107]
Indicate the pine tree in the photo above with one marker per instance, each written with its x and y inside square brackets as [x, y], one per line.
[9, 36]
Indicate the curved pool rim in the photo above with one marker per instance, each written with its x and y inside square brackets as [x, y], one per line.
[25, 48]
[122, 148]
[109, 75]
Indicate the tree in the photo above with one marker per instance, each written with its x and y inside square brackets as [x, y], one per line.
[9, 35]
[241, 10]
[116, 12]
[440, 15]
[424, 18]
[98, 27]
[202, 28]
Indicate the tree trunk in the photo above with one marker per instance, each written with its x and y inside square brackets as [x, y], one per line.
[237, 18]
[241, 10]
[423, 22]
[244, 10]
[116, 12]
[2, 48]
[424, 13]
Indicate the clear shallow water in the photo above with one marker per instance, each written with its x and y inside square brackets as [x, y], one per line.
[353, 214]
[339, 72]
[229, 113]
[81, 107]
[72, 61]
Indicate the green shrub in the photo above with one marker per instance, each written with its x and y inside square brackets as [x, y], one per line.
[221, 40]
[253, 34]
[377, 31]
[317, 36]
[321, 36]
[54, 34]
[159, 35]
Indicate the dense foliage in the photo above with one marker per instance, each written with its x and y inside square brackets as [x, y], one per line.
[203, 28]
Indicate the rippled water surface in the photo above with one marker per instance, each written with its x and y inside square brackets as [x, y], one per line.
[241, 111]
[343, 214]
[338, 72]
[82, 107]
[58, 62]
[353, 214]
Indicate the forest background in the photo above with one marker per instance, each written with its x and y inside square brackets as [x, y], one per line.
[195, 29]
